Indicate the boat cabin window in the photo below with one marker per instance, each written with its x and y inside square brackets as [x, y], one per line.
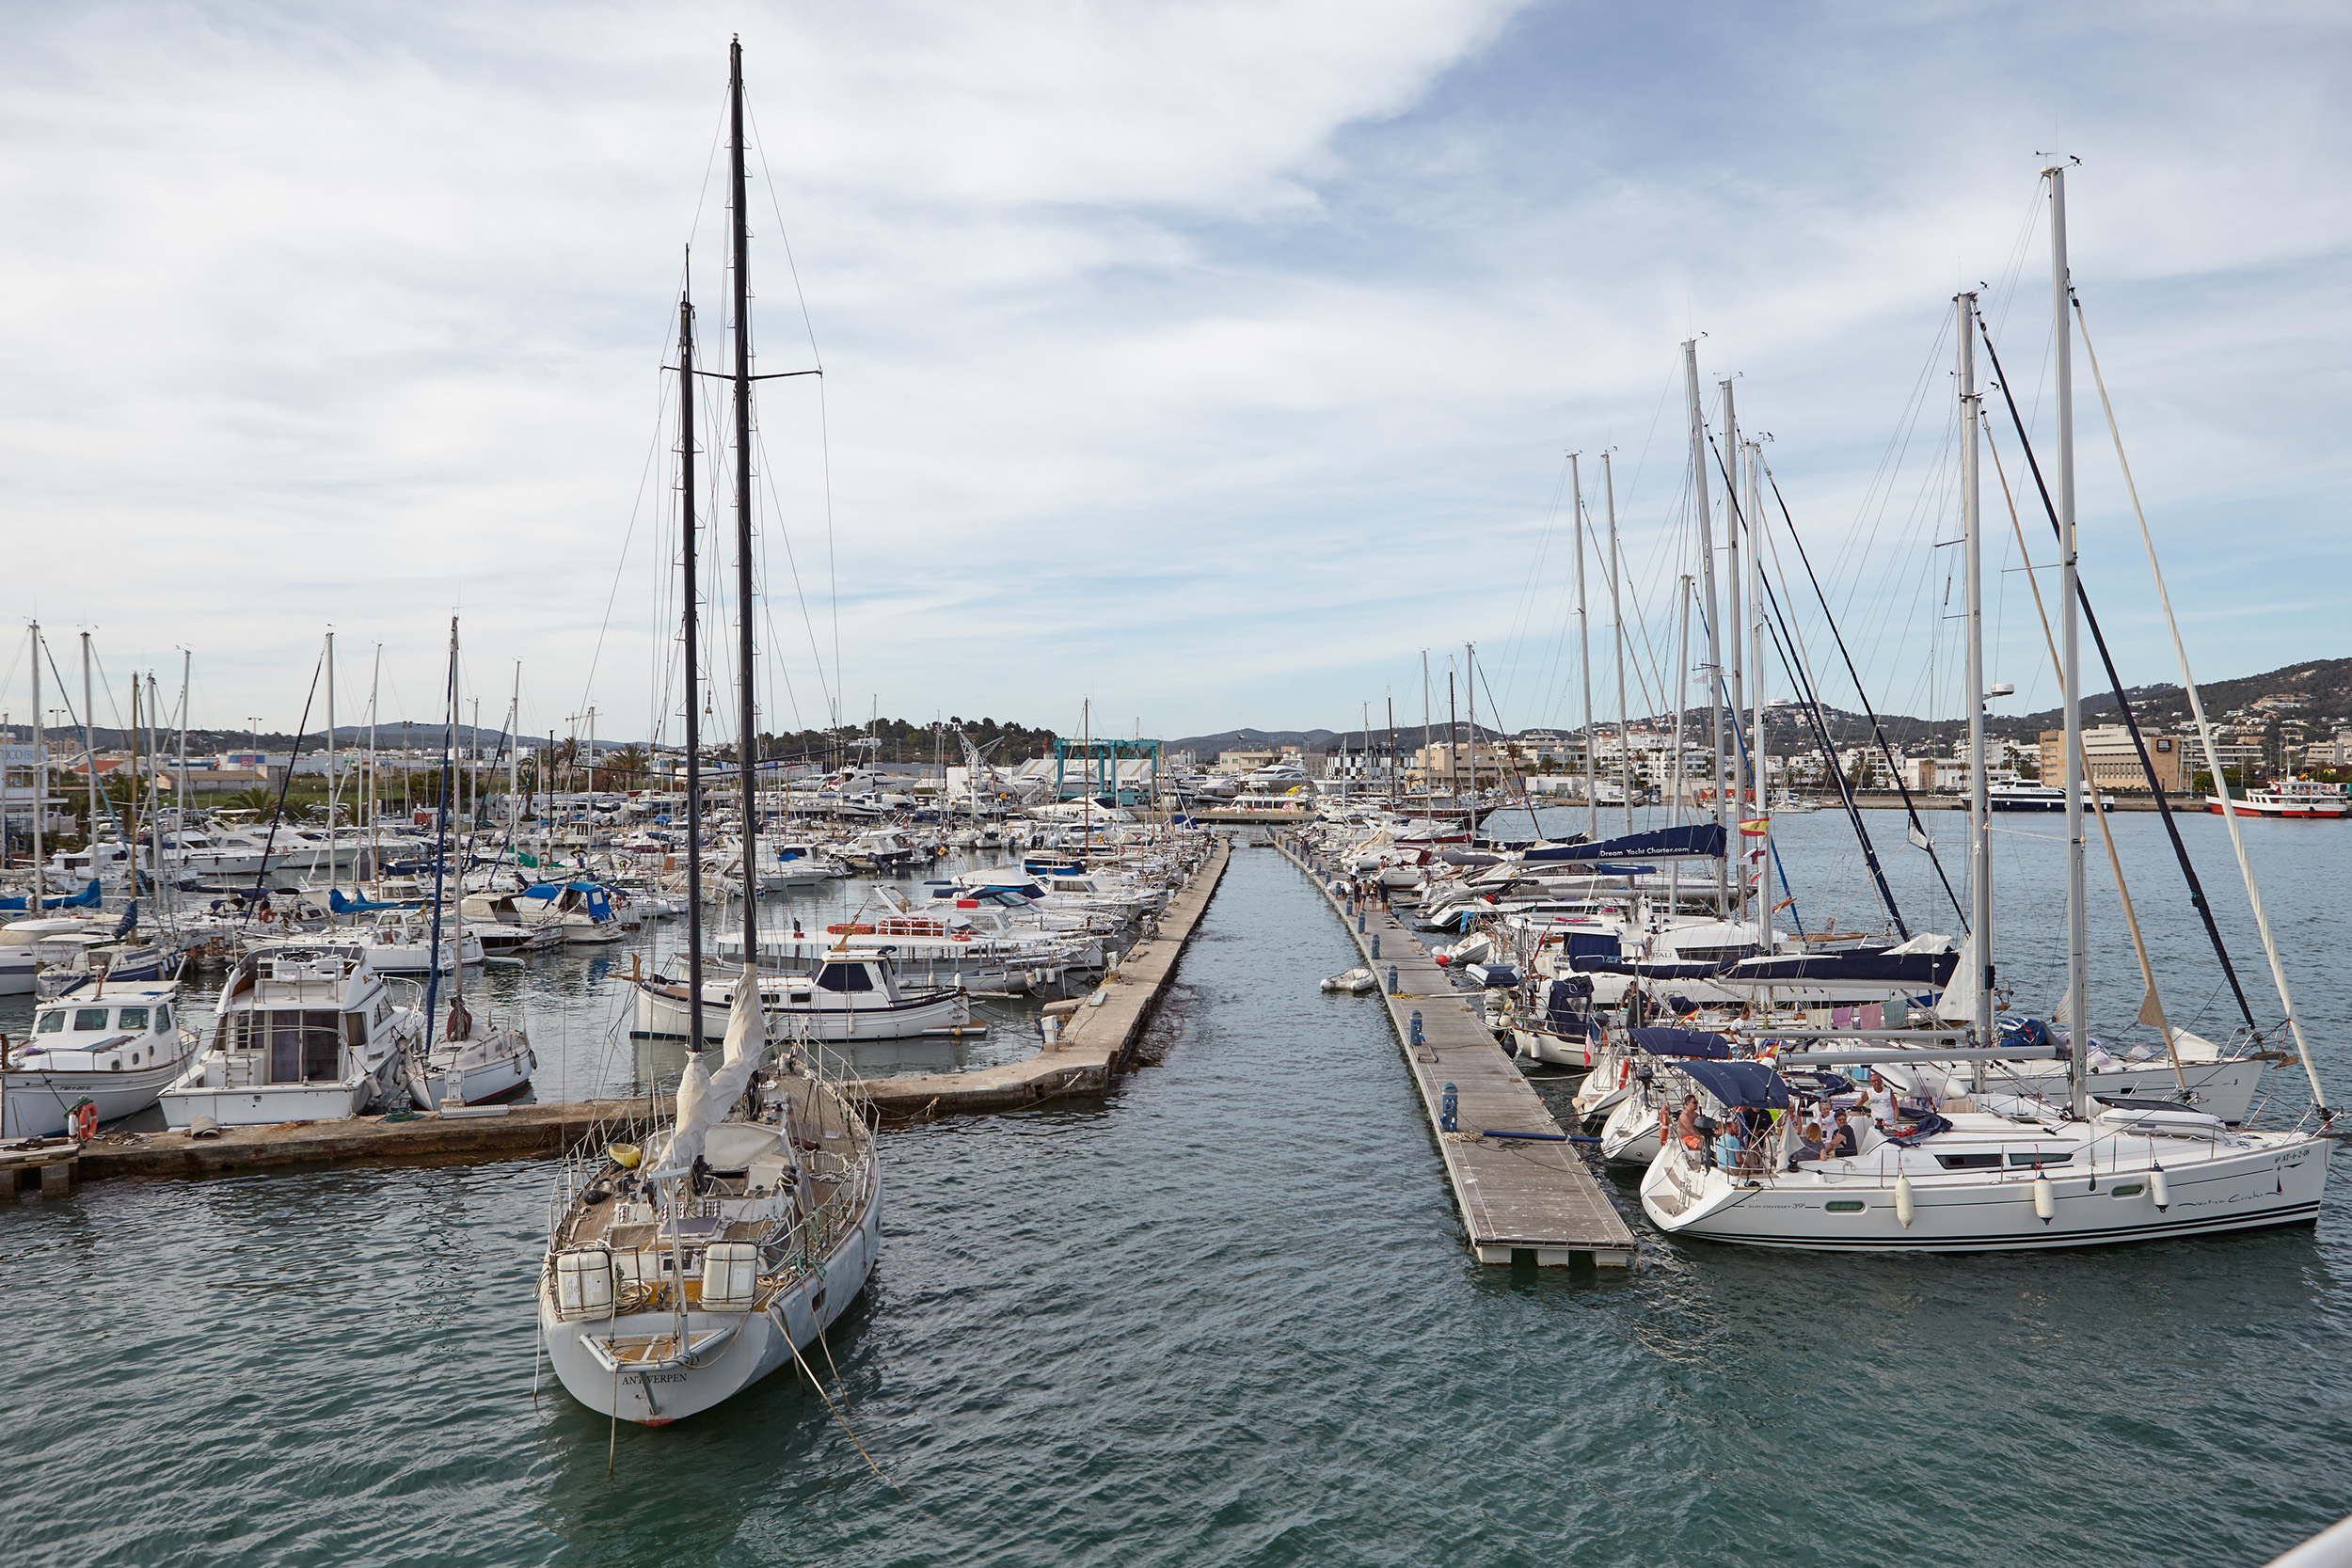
[132, 1018]
[163, 1020]
[303, 1045]
[2043, 1157]
[89, 1017]
[1970, 1162]
[49, 1023]
[844, 977]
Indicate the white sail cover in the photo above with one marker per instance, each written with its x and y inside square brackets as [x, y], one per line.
[704, 1097]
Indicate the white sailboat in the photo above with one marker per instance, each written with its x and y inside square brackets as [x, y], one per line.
[1992, 1172]
[683, 1268]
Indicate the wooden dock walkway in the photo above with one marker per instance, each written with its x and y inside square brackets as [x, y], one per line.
[1517, 1196]
[1095, 1044]
[1097, 1038]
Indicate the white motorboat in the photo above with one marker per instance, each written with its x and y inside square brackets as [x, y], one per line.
[2290, 796]
[401, 942]
[845, 999]
[116, 1047]
[304, 1031]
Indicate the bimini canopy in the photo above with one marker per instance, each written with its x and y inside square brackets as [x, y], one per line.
[1739, 1082]
[85, 899]
[1682, 1042]
[1698, 838]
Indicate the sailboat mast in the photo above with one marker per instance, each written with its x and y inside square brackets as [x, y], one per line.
[1735, 687]
[89, 748]
[1584, 648]
[1714, 628]
[334, 873]
[747, 725]
[1616, 619]
[693, 634]
[1979, 790]
[2077, 917]
[40, 779]
[1752, 457]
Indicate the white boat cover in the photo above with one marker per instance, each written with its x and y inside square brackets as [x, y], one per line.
[704, 1097]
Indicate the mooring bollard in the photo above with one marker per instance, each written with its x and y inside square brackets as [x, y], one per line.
[1417, 1039]
[1376, 945]
[1446, 1108]
[1359, 920]
[1393, 985]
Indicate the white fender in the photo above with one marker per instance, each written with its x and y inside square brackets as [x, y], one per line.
[2159, 1189]
[1903, 1200]
[2044, 1200]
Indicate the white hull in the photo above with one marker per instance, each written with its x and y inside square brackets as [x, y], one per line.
[17, 967]
[267, 1105]
[663, 1013]
[36, 1102]
[740, 1348]
[2270, 1179]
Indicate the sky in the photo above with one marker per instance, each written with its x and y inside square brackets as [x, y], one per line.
[1184, 366]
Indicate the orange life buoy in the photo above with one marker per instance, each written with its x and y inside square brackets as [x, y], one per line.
[268, 915]
[1624, 1070]
[963, 936]
[84, 1122]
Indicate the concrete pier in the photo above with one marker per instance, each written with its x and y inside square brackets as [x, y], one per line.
[1096, 1036]
[1525, 1196]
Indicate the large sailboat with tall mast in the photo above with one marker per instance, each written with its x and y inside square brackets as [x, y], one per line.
[689, 1264]
[1983, 1171]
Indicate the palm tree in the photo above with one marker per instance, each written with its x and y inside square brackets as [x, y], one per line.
[258, 800]
[628, 763]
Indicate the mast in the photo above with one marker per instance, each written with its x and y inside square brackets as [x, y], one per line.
[1392, 749]
[512, 741]
[1979, 792]
[40, 779]
[89, 751]
[747, 724]
[457, 1029]
[334, 838]
[1714, 629]
[1752, 457]
[1585, 650]
[1682, 703]
[1424, 728]
[2077, 919]
[1469, 679]
[1453, 737]
[187, 668]
[1735, 687]
[376, 809]
[693, 682]
[1616, 618]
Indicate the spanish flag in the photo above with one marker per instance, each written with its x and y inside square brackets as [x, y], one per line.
[1756, 827]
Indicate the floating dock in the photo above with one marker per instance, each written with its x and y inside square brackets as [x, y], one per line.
[1096, 1041]
[1527, 1196]
[1098, 1035]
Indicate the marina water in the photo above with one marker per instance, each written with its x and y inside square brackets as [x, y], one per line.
[1222, 1315]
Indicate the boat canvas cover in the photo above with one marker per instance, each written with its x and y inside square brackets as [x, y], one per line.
[1698, 838]
[1662, 1041]
[1561, 1014]
[1591, 963]
[85, 899]
[592, 896]
[340, 905]
[1911, 971]
[1739, 1082]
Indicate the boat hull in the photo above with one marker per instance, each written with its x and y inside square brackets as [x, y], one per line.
[38, 1103]
[661, 1012]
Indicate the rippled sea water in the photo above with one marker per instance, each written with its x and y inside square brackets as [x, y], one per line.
[1223, 1316]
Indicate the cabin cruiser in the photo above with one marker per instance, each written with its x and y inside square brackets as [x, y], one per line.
[844, 999]
[304, 1031]
[35, 942]
[114, 1048]
[2291, 795]
[976, 945]
[884, 850]
[585, 911]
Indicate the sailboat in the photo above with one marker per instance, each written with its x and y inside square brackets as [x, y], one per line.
[687, 1266]
[1986, 1172]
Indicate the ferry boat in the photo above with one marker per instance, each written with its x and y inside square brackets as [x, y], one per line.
[2293, 796]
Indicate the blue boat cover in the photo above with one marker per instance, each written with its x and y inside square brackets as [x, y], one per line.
[1682, 1042]
[1594, 944]
[340, 905]
[85, 899]
[1698, 838]
[1739, 1082]
[1911, 971]
[1594, 964]
[1561, 1013]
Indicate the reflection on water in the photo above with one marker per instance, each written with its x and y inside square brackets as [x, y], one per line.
[1222, 1317]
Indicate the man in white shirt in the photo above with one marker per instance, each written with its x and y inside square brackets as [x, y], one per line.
[1882, 1099]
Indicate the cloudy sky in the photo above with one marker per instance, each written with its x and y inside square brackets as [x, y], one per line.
[1206, 361]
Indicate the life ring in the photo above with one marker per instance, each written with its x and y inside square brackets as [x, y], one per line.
[85, 1118]
[1625, 1071]
[963, 936]
[268, 915]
